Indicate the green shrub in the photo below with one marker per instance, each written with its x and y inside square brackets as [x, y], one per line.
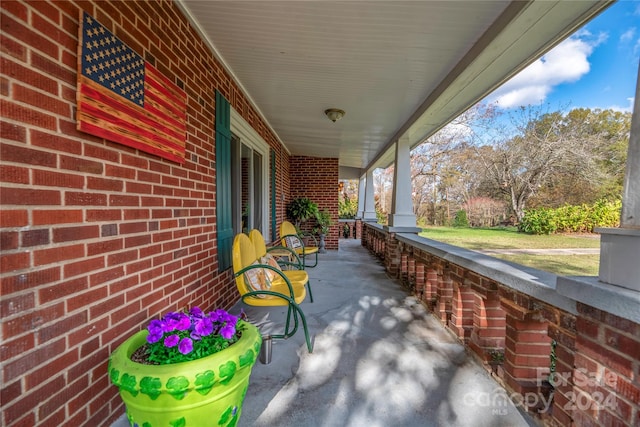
[571, 219]
[347, 208]
[460, 220]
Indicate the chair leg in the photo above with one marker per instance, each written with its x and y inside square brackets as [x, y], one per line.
[289, 333]
[309, 288]
[286, 325]
[306, 330]
[304, 260]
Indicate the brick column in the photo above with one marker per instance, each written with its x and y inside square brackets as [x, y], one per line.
[431, 285]
[527, 344]
[445, 295]
[462, 303]
[489, 323]
[392, 255]
[420, 278]
[411, 269]
[606, 373]
[563, 332]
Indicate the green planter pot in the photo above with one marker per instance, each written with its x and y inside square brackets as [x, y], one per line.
[200, 393]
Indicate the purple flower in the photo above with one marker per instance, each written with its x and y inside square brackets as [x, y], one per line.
[183, 323]
[171, 340]
[203, 327]
[156, 327]
[170, 321]
[218, 315]
[196, 312]
[154, 337]
[227, 331]
[185, 346]
[231, 319]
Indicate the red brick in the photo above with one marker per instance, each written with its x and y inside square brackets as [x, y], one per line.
[605, 356]
[32, 78]
[36, 237]
[56, 216]
[14, 304]
[29, 196]
[27, 115]
[84, 199]
[87, 331]
[68, 234]
[62, 290]
[588, 327]
[9, 240]
[16, 347]
[25, 155]
[81, 165]
[104, 215]
[39, 100]
[104, 246]
[10, 392]
[19, 282]
[14, 174]
[54, 179]
[13, 218]
[83, 267]
[622, 343]
[57, 254]
[27, 361]
[61, 327]
[14, 261]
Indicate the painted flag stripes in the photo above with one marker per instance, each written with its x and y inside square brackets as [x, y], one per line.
[124, 99]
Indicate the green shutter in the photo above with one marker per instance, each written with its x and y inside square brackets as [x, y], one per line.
[273, 195]
[223, 182]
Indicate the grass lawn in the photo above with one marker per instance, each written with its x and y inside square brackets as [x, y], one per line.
[509, 238]
[562, 265]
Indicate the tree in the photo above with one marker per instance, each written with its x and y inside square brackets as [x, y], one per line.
[547, 148]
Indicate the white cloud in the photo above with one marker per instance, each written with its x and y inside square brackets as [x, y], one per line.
[566, 63]
[628, 35]
[627, 109]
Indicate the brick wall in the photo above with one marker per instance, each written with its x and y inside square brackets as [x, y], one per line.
[96, 237]
[317, 179]
[596, 381]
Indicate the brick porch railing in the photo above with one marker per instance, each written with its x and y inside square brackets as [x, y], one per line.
[354, 227]
[511, 316]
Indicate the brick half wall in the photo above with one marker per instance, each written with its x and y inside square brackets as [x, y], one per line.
[317, 179]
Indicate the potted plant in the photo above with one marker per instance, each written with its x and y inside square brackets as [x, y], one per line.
[323, 221]
[301, 209]
[187, 369]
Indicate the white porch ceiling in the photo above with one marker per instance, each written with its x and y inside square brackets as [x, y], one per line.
[398, 69]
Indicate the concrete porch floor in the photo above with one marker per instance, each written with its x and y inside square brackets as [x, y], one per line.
[380, 359]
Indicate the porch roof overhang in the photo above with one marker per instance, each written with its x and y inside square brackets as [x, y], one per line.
[398, 69]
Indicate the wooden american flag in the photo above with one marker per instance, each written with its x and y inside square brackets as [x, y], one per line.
[124, 99]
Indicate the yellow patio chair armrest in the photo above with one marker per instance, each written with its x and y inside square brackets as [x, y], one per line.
[297, 263]
[270, 293]
[306, 234]
[268, 267]
[297, 236]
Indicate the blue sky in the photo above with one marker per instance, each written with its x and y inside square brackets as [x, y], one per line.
[597, 67]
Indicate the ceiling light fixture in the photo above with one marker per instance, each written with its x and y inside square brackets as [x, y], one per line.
[334, 114]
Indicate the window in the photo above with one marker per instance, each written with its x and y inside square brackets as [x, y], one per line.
[249, 171]
[241, 179]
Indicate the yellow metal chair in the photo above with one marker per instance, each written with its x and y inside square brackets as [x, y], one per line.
[291, 239]
[280, 292]
[297, 277]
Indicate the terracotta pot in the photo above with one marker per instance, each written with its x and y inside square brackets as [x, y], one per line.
[203, 392]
